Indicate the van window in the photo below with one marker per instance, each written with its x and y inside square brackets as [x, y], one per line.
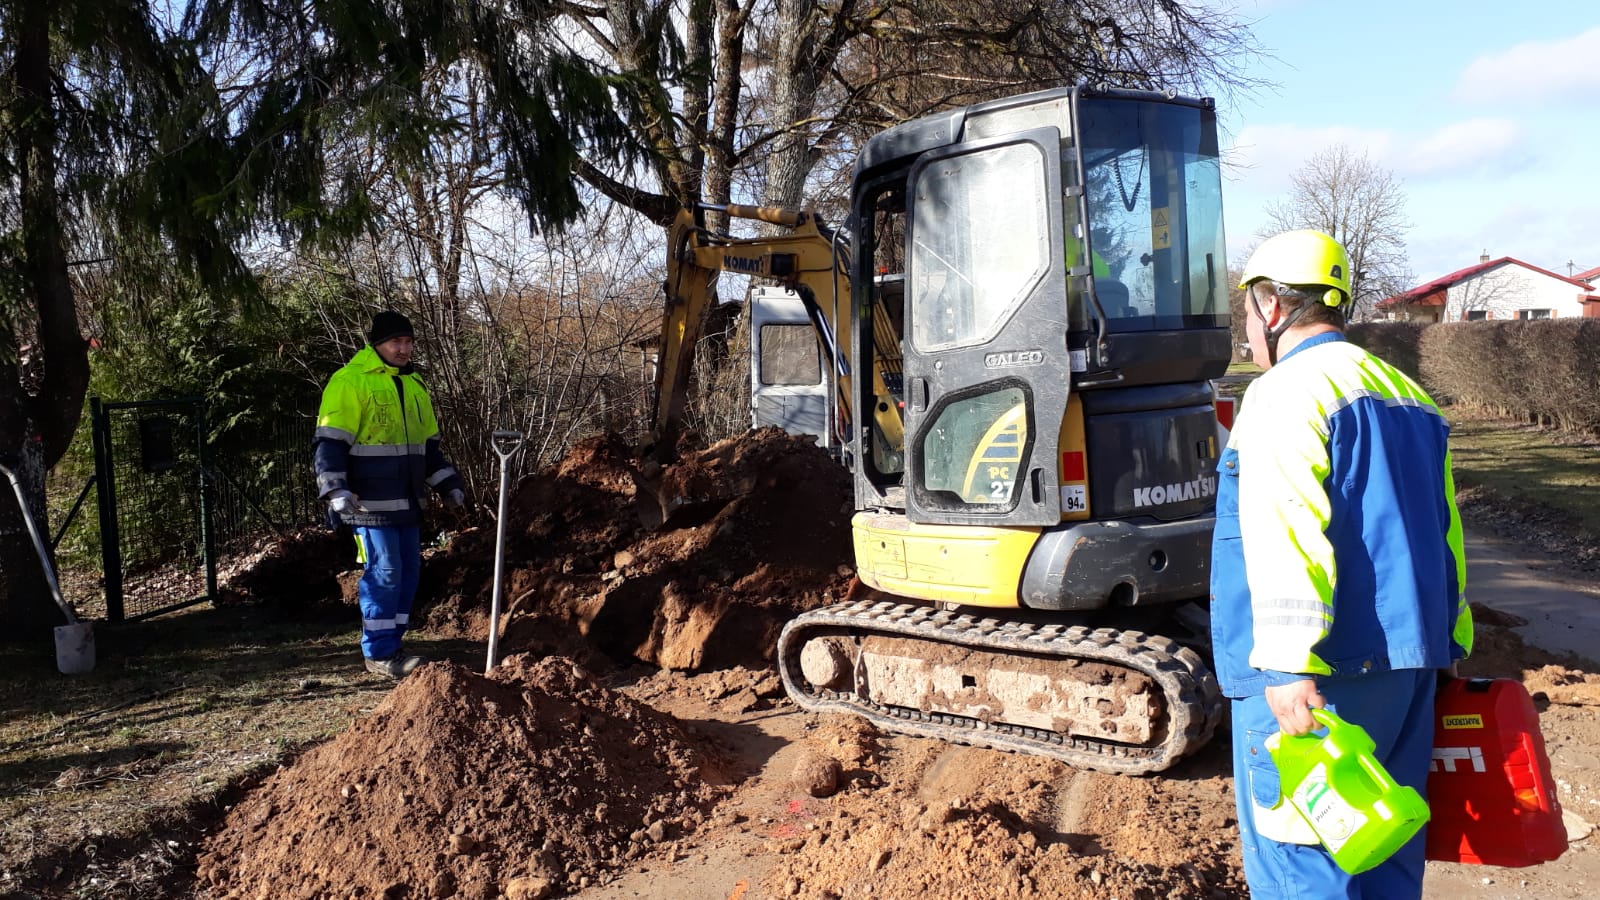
[789, 356]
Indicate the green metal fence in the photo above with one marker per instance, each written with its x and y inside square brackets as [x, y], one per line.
[172, 500]
[156, 538]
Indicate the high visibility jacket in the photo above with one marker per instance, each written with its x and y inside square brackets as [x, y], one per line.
[377, 438]
[1337, 548]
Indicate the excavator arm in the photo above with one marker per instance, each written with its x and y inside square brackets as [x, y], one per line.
[809, 259]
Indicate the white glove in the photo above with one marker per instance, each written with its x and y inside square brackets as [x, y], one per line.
[345, 503]
[455, 499]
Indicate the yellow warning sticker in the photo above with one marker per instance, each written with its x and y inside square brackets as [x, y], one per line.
[1160, 233]
[1469, 721]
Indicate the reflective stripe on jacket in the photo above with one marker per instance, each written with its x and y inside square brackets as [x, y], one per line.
[377, 438]
[1338, 546]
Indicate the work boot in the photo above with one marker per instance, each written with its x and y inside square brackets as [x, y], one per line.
[397, 666]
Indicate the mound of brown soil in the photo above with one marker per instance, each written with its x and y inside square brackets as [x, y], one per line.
[1568, 687]
[532, 782]
[756, 530]
[292, 570]
[966, 824]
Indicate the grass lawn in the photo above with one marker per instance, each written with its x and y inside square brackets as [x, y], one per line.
[105, 777]
[1542, 468]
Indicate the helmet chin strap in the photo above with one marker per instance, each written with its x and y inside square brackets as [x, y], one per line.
[1274, 333]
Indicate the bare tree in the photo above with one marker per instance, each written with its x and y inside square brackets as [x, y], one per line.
[1237, 310]
[769, 100]
[1363, 205]
[771, 89]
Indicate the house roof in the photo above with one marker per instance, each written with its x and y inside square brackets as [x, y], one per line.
[1589, 275]
[1433, 293]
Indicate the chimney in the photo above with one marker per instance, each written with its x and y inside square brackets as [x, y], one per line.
[1484, 257]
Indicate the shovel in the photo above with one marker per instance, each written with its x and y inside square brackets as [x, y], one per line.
[74, 640]
[504, 443]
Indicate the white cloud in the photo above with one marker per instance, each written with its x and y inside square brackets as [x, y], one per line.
[1465, 147]
[1534, 71]
[1263, 157]
[1547, 236]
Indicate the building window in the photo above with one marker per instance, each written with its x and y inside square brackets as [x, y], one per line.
[1475, 315]
[1533, 313]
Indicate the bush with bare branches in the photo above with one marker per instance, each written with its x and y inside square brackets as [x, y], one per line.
[1544, 371]
[1397, 343]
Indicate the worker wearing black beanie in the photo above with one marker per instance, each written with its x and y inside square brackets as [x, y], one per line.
[386, 325]
[378, 455]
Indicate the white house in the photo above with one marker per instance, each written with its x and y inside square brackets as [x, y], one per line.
[1503, 288]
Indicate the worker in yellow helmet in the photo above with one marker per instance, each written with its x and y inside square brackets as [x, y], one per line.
[1310, 259]
[1337, 574]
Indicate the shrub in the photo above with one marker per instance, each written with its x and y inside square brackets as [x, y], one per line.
[1396, 343]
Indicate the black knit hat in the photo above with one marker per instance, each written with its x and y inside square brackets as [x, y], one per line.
[386, 325]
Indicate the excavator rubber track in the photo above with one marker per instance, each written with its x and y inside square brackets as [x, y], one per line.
[1170, 680]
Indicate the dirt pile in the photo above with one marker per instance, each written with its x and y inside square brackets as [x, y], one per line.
[944, 821]
[531, 783]
[757, 530]
[292, 570]
[956, 822]
[1568, 687]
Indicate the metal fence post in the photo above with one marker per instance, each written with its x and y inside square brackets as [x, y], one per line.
[106, 499]
[208, 533]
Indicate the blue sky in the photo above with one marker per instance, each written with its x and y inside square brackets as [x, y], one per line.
[1487, 112]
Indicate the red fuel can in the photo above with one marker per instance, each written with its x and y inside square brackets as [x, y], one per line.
[1490, 792]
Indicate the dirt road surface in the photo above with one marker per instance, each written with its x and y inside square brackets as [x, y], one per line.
[643, 748]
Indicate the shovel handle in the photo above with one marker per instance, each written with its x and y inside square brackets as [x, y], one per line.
[505, 443]
[510, 441]
[39, 545]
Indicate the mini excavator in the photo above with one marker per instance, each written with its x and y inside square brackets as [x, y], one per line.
[1020, 322]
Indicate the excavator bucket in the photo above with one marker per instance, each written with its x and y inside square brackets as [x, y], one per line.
[679, 495]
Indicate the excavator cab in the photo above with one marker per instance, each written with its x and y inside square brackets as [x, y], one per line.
[1039, 280]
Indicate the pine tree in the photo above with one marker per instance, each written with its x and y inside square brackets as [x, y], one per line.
[128, 142]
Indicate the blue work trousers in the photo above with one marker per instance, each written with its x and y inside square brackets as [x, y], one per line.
[1396, 709]
[393, 559]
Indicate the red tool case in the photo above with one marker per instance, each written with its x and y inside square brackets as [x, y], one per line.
[1491, 796]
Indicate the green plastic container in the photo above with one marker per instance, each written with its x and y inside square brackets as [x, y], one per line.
[1359, 813]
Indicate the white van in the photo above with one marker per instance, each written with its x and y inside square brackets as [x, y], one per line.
[789, 385]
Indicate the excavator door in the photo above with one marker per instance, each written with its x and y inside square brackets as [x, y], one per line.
[987, 370]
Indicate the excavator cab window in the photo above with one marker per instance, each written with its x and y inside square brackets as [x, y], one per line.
[881, 303]
[981, 240]
[1154, 194]
[974, 451]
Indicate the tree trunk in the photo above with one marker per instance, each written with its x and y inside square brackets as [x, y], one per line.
[36, 428]
[725, 91]
[810, 41]
[26, 608]
[794, 89]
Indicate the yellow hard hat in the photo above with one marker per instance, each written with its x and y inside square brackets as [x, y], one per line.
[1301, 258]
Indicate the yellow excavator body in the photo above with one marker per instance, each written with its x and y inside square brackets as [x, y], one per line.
[1020, 319]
